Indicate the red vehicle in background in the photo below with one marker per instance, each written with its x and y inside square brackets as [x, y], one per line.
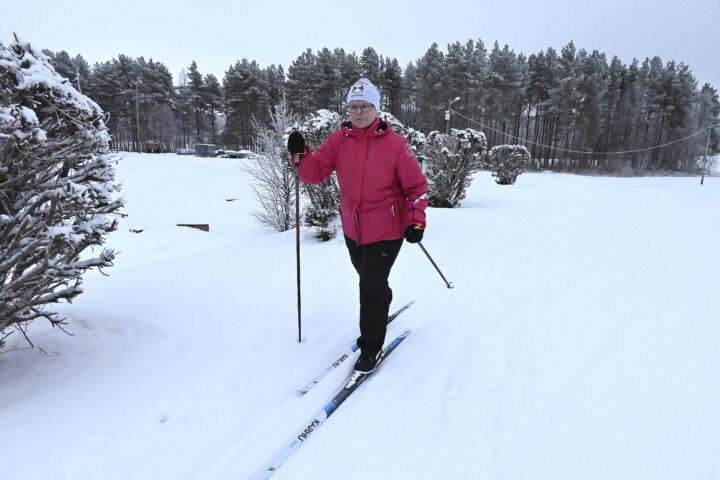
[154, 146]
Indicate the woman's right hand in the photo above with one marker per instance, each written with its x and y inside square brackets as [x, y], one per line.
[296, 143]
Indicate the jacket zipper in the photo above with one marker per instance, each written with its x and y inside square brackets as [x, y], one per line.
[400, 220]
[357, 225]
[362, 186]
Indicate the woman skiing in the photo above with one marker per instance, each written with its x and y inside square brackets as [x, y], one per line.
[383, 196]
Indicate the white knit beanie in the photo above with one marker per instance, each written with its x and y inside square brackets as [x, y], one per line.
[363, 89]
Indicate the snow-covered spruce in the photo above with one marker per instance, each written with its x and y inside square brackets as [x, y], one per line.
[507, 162]
[57, 188]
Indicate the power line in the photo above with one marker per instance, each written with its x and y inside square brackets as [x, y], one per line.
[579, 151]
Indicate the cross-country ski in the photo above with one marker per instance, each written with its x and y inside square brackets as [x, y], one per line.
[355, 380]
[345, 355]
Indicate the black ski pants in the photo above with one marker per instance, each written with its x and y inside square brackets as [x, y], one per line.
[373, 263]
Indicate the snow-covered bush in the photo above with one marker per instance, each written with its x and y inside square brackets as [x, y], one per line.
[414, 137]
[57, 188]
[325, 196]
[507, 162]
[451, 160]
[273, 177]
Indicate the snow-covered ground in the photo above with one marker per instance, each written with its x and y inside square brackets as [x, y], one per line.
[581, 341]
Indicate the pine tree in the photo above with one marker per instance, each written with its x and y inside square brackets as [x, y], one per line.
[84, 78]
[213, 101]
[391, 87]
[611, 104]
[458, 69]
[476, 94]
[325, 78]
[592, 86]
[370, 64]
[184, 115]
[408, 104]
[155, 100]
[276, 89]
[563, 101]
[350, 72]
[651, 119]
[197, 98]
[542, 78]
[300, 91]
[629, 111]
[431, 98]
[504, 82]
[57, 188]
[707, 113]
[682, 89]
[245, 88]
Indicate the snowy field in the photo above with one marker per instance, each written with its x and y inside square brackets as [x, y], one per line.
[581, 341]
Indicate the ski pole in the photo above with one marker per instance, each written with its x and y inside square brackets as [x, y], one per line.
[297, 238]
[448, 284]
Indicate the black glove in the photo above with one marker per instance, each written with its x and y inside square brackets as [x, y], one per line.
[296, 143]
[414, 233]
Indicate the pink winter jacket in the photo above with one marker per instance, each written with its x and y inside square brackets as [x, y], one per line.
[382, 189]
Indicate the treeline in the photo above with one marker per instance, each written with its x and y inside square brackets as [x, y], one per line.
[571, 109]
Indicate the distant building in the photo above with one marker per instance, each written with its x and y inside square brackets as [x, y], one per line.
[205, 149]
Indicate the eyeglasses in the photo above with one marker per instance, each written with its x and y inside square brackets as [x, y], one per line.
[357, 108]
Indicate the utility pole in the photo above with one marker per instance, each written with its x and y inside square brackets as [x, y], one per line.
[447, 114]
[707, 147]
[137, 117]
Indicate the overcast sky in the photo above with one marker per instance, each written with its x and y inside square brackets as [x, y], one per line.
[216, 33]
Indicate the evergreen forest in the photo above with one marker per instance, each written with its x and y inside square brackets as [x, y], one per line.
[574, 110]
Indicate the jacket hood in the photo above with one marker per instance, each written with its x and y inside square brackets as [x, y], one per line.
[378, 127]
